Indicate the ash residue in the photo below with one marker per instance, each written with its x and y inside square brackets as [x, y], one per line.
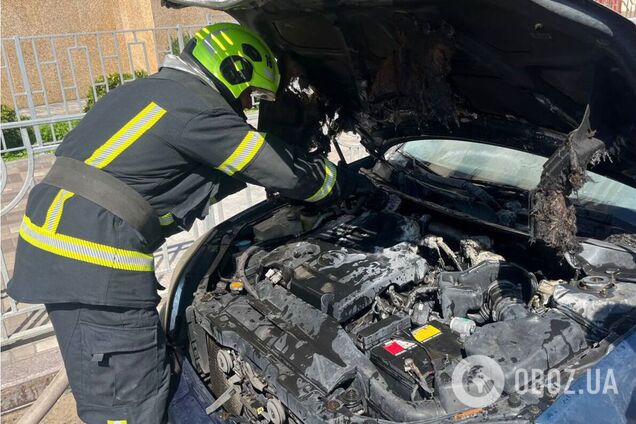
[321, 124]
[553, 218]
[623, 239]
[411, 84]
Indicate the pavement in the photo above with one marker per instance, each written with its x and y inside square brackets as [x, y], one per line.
[63, 412]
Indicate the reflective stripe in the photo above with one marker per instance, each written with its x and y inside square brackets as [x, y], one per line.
[116, 422]
[54, 214]
[331, 174]
[218, 42]
[213, 36]
[228, 39]
[243, 154]
[84, 250]
[126, 136]
[209, 46]
[166, 219]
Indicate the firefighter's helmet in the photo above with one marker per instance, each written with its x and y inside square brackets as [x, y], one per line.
[237, 58]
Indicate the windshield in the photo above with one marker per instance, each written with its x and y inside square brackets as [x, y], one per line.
[494, 164]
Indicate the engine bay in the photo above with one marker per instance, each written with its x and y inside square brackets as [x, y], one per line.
[350, 313]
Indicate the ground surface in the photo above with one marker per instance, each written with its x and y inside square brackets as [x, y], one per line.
[62, 413]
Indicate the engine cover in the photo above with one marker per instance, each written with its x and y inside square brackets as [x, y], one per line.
[342, 281]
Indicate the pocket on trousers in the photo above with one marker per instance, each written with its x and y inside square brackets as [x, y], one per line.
[119, 364]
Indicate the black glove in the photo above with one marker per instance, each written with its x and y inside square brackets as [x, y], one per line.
[368, 195]
[377, 200]
[362, 185]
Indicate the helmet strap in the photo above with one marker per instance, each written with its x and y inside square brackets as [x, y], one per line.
[234, 103]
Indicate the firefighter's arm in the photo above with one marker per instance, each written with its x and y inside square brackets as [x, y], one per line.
[224, 141]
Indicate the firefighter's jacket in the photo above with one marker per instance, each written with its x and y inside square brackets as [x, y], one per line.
[176, 141]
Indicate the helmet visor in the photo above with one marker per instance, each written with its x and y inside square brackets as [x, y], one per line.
[262, 94]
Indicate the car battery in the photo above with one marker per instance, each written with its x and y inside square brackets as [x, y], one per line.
[378, 332]
[420, 347]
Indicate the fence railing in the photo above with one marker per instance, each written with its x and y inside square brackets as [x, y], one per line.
[624, 7]
[54, 75]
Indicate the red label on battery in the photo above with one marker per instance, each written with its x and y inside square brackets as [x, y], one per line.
[394, 348]
[397, 347]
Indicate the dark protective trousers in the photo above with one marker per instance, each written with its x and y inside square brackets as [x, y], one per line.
[116, 362]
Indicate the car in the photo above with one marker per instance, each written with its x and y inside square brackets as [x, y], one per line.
[492, 278]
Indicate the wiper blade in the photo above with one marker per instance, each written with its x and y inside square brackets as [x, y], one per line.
[425, 166]
[498, 185]
[463, 184]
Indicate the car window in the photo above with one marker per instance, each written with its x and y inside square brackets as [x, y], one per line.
[488, 163]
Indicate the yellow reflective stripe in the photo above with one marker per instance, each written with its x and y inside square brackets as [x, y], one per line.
[207, 31]
[243, 154]
[84, 250]
[54, 214]
[116, 422]
[166, 219]
[228, 39]
[199, 36]
[217, 41]
[126, 136]
[331, 175]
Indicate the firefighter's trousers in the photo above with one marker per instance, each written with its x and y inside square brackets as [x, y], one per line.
[116, 362]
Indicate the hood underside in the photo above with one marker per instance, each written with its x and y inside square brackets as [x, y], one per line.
[515, 73]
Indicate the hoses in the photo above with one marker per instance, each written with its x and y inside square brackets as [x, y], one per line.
[505, 301]
[396, 408]
[241, 262]
[419, 291]
[492, 290]
[437, 243]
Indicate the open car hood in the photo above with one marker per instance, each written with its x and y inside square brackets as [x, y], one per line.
[516, 73]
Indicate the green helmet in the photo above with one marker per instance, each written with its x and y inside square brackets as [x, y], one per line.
[238, 58]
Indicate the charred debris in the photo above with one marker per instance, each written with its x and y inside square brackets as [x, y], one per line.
[411, 88]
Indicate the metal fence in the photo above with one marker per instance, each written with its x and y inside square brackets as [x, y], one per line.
[624, 7]
[49, 81]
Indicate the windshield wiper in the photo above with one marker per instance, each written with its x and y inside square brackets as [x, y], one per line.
[462, 184]
[424, 165]
[501, 186]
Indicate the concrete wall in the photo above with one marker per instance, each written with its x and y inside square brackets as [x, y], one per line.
[40, 17]
[37, 17]
[68, 64]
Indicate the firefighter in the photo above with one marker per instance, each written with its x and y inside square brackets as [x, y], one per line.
[146, 160]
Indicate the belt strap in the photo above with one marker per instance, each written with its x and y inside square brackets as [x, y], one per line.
[108, 192]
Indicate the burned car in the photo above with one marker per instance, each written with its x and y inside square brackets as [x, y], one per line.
[503, 136]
